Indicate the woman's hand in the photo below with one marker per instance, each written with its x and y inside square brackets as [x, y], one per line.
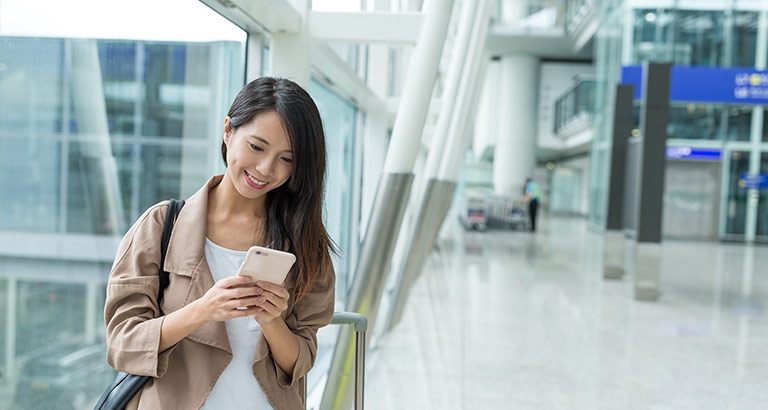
[271, 302]
[223, 299]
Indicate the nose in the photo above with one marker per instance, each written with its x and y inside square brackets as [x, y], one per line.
[265, 167]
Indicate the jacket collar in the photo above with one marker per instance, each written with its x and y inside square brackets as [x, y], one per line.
[186, 256]
[186, 247]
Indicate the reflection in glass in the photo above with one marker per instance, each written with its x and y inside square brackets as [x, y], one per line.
[338, 117]
[94, 198]
[165, 167]
[93, 130]
[762, 207]
[32, 83]
[737, 196]
[29, 184]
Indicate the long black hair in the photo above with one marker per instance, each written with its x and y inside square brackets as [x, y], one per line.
[295, 209]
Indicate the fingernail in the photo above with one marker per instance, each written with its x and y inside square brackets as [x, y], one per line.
[260, 299]
[260, 283]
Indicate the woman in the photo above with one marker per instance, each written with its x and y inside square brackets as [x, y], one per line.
[214, 341]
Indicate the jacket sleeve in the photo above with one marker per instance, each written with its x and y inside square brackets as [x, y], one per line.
[131, 311]
[312, 312]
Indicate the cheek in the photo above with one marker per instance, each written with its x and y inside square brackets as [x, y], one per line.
[286, 175]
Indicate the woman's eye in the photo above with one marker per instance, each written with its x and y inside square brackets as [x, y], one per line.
[287, 160]
[255, 148]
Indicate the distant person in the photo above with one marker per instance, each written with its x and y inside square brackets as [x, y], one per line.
[532, 198]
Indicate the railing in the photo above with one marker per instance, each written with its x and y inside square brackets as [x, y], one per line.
[575, 107]
[360, 323]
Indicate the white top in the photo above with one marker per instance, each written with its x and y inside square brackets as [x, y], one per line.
[236, 388]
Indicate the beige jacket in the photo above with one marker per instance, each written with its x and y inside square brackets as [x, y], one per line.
[184, 375]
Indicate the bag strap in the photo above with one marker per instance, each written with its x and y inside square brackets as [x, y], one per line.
[174, 207]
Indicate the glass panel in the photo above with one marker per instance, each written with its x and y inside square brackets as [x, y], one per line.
[164, 168]
[339, 125]
[737, 196]
[168, 91]
[97, 122]
[30, 184]
[700, 33]
[762, 207]
[97, 199]
[31, 89]
[705, 121]
[744, 38]
[121, 85]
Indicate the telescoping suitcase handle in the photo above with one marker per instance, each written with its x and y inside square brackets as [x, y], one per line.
[360, 322]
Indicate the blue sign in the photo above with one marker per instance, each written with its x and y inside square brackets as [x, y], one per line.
[759, 181]
[708, 84]
[694, 154]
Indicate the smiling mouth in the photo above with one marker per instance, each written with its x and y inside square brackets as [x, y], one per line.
[254, 182]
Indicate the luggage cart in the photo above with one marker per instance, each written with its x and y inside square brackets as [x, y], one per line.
[474, 213]
[508, 213]
[360, 322]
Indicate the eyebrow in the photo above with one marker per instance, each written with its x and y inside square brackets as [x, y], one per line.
[267, 143]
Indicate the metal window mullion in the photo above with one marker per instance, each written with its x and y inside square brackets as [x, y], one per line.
[138, 126]
[65, 136]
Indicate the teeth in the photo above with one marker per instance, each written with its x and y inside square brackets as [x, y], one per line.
[256, 181]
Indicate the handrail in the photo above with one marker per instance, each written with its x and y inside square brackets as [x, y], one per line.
[351, 318]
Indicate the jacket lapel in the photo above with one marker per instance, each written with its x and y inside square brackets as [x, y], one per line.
[186, 257]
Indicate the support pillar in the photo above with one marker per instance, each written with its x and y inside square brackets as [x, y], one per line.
[756, 135]
[418, 245]
[614, 235]
[653, 122]
[514, 155]
[391, 199]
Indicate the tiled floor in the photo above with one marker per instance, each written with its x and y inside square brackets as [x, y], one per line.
[514, 320]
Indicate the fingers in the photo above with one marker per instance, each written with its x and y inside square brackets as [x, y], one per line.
[270, 308]
[275, 300]
[271, 287]
[233, 281]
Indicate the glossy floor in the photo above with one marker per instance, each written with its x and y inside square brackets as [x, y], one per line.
[514, 320]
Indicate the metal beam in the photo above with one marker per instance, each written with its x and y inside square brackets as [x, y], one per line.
[275, 16]
[340, 76]
[365, 27]
[391, 198]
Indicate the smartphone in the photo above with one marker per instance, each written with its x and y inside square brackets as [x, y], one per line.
[268, 265]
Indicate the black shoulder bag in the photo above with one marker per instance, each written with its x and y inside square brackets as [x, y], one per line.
[125, 385]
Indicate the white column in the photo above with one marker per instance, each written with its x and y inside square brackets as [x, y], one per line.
[10, 331]
[290, 51]
[90, 111]
[514, 155]
[422, 72]
[486, 124]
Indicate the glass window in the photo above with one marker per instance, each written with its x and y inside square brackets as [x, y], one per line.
[744, 38]
[106, 107]
[737, 196]
[762, 207]
[705, 121]
[29, 183]
[338, 117]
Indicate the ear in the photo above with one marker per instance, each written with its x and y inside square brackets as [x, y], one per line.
[227, 130]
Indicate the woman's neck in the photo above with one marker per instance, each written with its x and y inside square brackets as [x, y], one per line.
[224, 200]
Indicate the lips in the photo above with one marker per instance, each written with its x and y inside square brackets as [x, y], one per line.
[254, 182]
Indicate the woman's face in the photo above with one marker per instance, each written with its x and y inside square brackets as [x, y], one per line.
[259, 157]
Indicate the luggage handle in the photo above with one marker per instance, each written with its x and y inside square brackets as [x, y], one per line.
[360, 322]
